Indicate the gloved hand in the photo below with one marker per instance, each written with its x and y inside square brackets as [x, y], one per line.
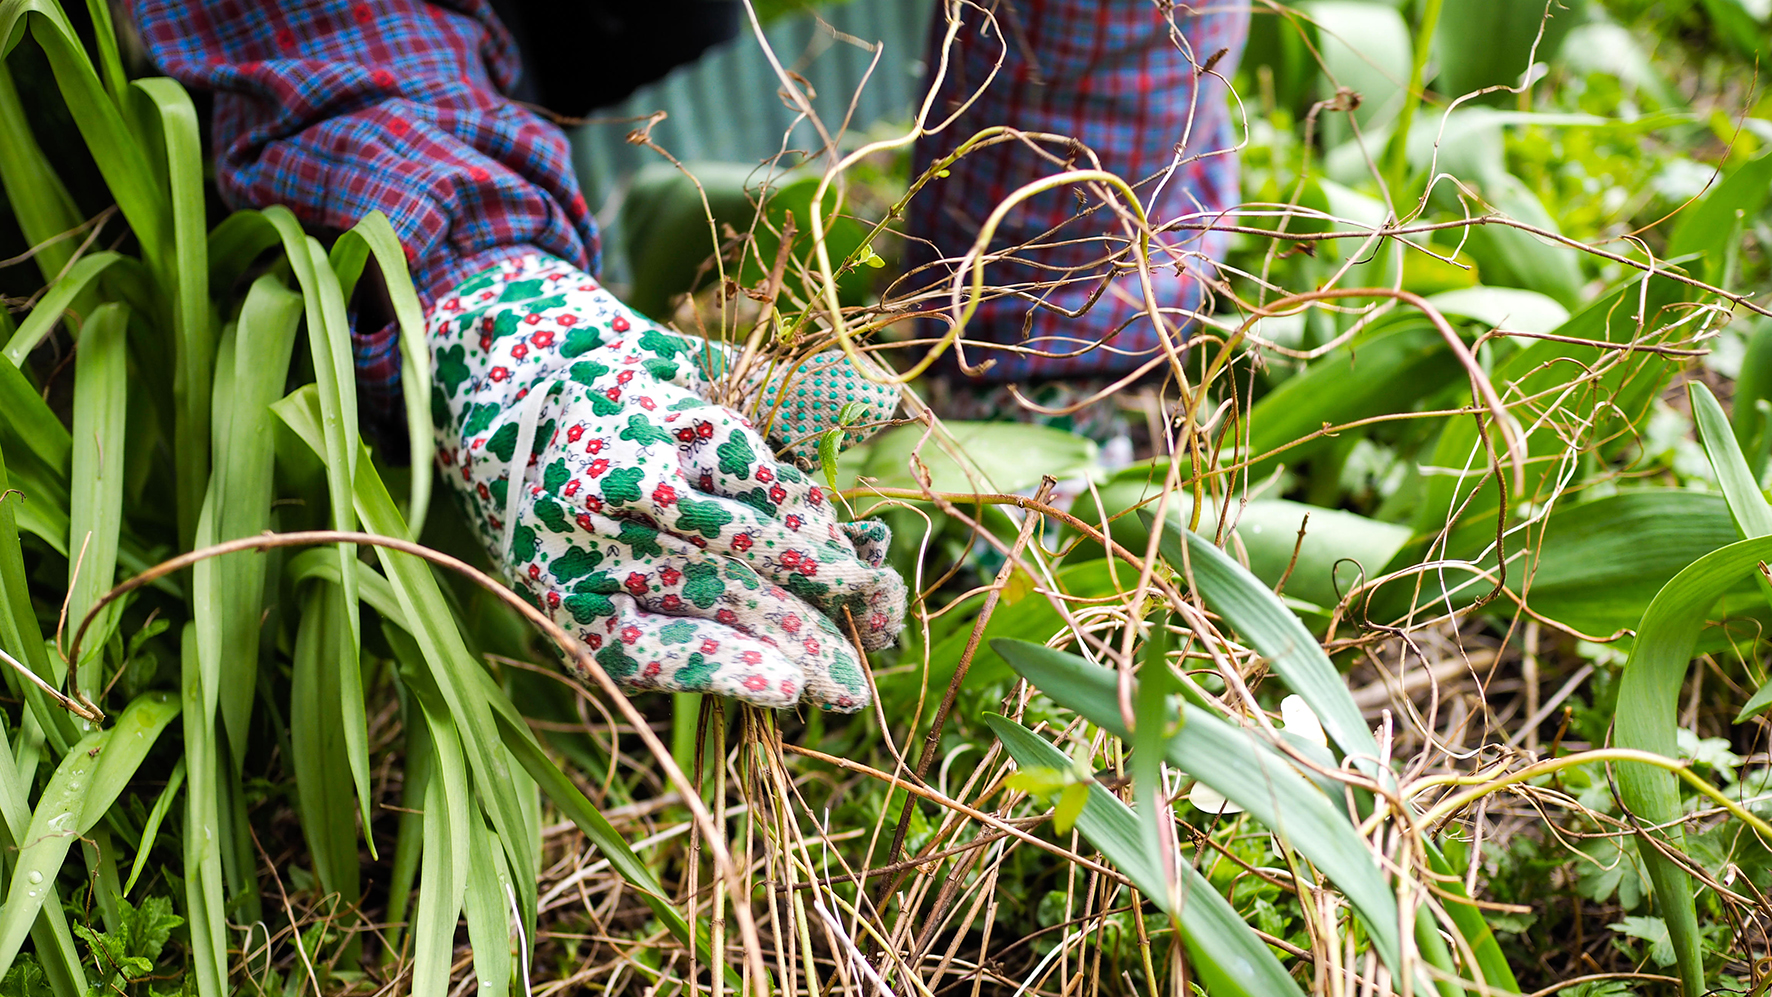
[654, 524]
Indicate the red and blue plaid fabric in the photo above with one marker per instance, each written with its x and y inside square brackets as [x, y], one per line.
[1130, 80]
[337, 108]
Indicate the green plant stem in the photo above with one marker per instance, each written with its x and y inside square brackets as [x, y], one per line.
[1397, 156]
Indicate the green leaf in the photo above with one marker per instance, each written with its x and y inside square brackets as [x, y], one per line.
[319, 752]
[1652, 930]
[101, 400]
[1747, 504]
[53, 306]
[458, 677]
[1230, 957]
[1386, 369]
[1645, 719]
[1291, 652]
[40, 202]
[151, 828]
[1711, 228]
[228, 593]
[375, 236]
[1240, 768]
[1070, 804]
[114, 147]
[981, 457]
[53, 830]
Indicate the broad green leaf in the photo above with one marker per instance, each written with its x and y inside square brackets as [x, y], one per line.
[1236, 764]
[1339, 547]
[1457, 465]
[441, 883]
[1487, 44]
[1230, 957]
[229, 591]
[982, 457]
[1711, 228]
[1387, 369]
[85, 784]
[1264, 621]
[134, 732]
[1646, 719]
[1747, 504]
[488, 912]
[1504, 307]
[50, 935]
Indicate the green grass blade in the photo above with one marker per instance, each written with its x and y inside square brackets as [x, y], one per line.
[40, 202]
[229, 592]
[114, 148]
[375, 235]
[1386, 369]
[184, 276]
[50, 936]
[20, 635]
[1491, 962]
[134, 732]
[455, 671]
[1291, 652]
[1646, 718]
[204, 906]
[488, 912]
[1230, 958]
[234, 244]
[151, 829]
[46, 842]
[29, 421]
[444, 870]
[108, 58]
[1239, 767]
[53, 306]
[1747, 504]
[318, 753]
[409, 843]
[372, 587]
[101, 400]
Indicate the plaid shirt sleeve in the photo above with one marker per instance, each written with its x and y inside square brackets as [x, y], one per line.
[336, 108]
[1129, 80]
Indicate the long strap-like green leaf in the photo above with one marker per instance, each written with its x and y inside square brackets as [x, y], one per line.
[1647, 719]
[1230, 957]
[1239, 767]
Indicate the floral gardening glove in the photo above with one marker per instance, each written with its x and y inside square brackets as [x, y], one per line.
[649, 521]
